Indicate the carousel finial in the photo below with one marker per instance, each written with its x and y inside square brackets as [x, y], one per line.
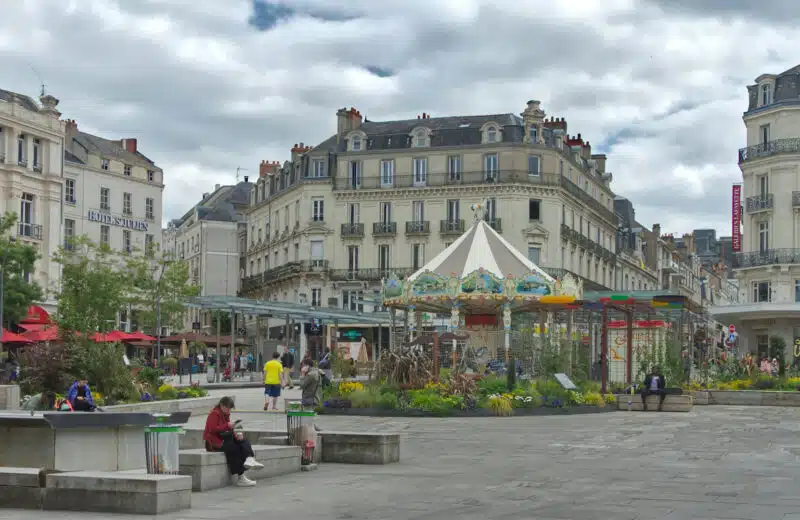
[479, 210]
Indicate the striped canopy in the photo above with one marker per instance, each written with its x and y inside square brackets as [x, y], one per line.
[481, 246]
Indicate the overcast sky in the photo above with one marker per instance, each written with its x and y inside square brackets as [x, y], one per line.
[211, 85]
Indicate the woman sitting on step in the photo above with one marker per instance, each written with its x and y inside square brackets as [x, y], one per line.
[220, 435]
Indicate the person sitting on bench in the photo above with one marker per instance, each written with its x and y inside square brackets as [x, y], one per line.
[79, 396]
[654, 384]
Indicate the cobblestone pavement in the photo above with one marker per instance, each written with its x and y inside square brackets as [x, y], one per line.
[714, 463]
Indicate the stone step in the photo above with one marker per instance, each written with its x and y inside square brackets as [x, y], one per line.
[21, 488]
[673, 403]
[209, 470]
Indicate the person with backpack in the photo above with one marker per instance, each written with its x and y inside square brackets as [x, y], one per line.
[287, 360]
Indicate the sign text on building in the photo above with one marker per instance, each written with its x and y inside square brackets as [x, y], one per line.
[111, 220]
[736, 218]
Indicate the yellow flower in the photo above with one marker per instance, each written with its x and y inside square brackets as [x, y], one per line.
[347, 387]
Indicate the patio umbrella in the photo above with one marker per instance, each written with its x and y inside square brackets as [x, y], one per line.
[110, 337]
[184, 350]
[10, 337]
[48, 334]
[138, 336]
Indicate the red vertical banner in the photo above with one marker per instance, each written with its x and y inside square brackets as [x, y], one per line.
[736, 218]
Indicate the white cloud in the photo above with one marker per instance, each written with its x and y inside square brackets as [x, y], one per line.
[661, 83]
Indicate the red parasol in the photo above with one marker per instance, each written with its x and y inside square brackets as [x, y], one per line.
[10, 337]
[110, 337]
[48, 334]
[138, 336]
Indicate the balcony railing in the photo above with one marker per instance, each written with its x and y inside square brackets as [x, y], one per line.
[496, 224]
[574, 236]
[767, 257]
[796, 199]
[2, 158]
[756, 203]
[344, 182]
[368, 275]
[451, 227]
[418, 227]
[257, 281]
[768, 149]
[384, 228]
[33, 231]
[353, 229]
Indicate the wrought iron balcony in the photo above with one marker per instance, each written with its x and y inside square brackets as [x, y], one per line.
[384, 228]
[766, 257]
[496, 224]
[778, 146]
[796, 199]
[368, 275]
[451, 227]
[28, 230]
[353, 229]
[260, 280]
[756, 203]
[574, 236]
[418, 227]
[2, 157]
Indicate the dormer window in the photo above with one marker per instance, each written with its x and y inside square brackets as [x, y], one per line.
[766, 95]
[533, 134]
[420, 139]
[491, 135]
[356, 146]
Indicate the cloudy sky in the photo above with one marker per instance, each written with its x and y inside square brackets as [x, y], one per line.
[210, 85]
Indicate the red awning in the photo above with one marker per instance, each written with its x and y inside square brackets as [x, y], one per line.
[10, 337]
[37, 315]
[138, 336]
[30, 327]
[46, 334]
[110, 337]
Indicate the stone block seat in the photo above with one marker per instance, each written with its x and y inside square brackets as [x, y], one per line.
[21, 488]
[360, 447]
[674, 402]
[208, 470]
[132, 492]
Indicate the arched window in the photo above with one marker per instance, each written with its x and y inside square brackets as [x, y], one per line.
[420, 139]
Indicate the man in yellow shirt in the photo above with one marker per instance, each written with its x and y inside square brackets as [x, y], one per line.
[272, 381]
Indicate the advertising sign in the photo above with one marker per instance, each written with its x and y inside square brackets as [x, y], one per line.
[736, 218]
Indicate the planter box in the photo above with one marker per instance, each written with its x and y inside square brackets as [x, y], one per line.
[192, 404]
[753, 398]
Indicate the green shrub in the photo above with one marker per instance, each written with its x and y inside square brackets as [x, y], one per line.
[366, 398]
[552, 390]
[499, 405]
[433, 402]
[575, 398]
[594, 399]
[167, 393]
[387, 401]
[102, 364]
[764, 382]
[589, 386]
[45, 368]
[526, 397]
[490, 385]
[150, 377]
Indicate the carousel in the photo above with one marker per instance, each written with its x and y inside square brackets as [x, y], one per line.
[480, 281]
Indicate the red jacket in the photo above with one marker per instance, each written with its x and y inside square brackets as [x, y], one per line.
[217, 422]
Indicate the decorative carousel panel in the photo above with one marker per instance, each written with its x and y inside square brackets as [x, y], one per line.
[568, 285]
[533, 284]
[481, 282]
[429, 284]
[393, 287]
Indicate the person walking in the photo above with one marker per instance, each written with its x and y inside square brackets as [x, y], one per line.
[272, 382]
[287, 360]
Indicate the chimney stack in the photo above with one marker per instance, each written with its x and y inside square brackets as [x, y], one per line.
[129, 145]
[299, 149]
[246, 178]
[347, 120]
[268, 168]
[70, 131]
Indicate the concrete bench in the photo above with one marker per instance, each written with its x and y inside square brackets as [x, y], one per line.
[360, 447]
[192, 439]
[208, 470]
[672, 403]
[21, 488]
[131, 492]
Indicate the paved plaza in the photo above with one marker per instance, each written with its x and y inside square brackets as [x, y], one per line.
[714, 463]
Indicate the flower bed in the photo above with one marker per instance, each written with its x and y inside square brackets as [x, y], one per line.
[463, 395]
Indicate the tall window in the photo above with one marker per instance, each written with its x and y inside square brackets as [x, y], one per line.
[764, 134]
[69, 233]
[534, 209]
[490, 167]
[384, 258]
[37, 153]
[386, 212]
[561, 167]
[69, 191]
[319, 168]
[765, 95]
[763, 185]
[762, 292]
[533, 165]
[533, 133]
[105, 235]
[491, 135]
[418, 210]
[387, 173]
[149, 208]
[352, 258]
[21, 152]
[104, 164]
[417, 256]
[797, 290]
[454, 167]
[491, 209]
[318, 210]
[420, 139]
[453, 210]
[26, 214]
[356, 143]
[534, 254]
[351, 301]
[126, 240]
[763, 236]
[354, 179]
[105, 199]
[316, 297]
[353, 213]
[126, 170]
[317, 252]
[127, 203]
[420, 171]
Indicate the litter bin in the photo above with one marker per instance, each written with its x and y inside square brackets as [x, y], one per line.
[300, 429]
[162, 446]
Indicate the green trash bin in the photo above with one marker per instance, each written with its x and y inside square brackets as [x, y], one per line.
[162, 446]
[301, 432]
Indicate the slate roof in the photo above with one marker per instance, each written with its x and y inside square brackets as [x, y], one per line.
[111, 150]
[446, 131]
[27, 101]
[220, 206]
[787, 88]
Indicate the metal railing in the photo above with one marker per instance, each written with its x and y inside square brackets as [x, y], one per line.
[585, 242]
[418, 227]
[766, 257]
[496, 224]
[344, 182]
[758, 203]
[28, 230]
[368, 275]
[384, 228]
[257, 281]
[451, 226]
[353, 229]
[769, 149]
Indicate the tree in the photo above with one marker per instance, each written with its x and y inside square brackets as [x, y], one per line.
[160, 285]
[16, 259]
[94, 286]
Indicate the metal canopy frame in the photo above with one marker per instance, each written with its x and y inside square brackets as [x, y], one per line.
[285, 310]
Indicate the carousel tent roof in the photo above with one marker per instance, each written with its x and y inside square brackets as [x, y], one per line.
[481, 246]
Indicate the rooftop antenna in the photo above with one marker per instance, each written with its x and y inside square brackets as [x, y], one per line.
[239, 169]
[41, 82]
